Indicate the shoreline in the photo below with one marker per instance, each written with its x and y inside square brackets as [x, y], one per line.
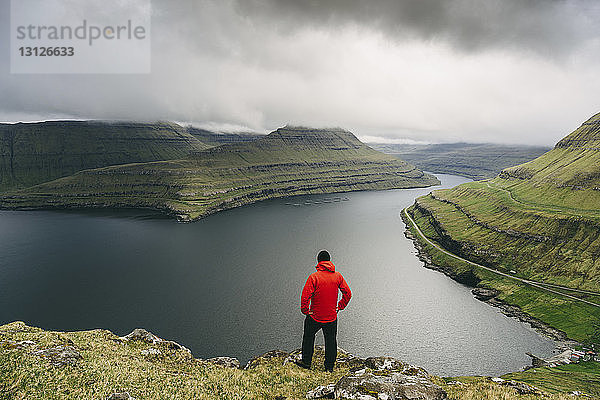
[561, 341]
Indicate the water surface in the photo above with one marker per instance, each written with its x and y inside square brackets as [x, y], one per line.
[230, 284]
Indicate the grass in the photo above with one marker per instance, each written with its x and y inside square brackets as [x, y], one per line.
[110, 365]
[288, 162]
[574, 318]
[585, 376]
[34, 153]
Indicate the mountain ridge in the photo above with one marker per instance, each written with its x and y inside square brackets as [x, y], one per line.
[287, 162]
[539, 221]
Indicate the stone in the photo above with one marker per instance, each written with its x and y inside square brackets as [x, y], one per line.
[12, 345]
[322, 392]
[228, 362]
[367, 384]
[265, 358]
[484, 294]
[520, 387]
[392, 364]
[120, 396]
[60, 356]
[148, 337]
[536, 361]
[151, 352]
[143, 335]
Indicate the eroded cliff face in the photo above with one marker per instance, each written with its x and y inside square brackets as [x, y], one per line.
[32, 153]
[290, 161]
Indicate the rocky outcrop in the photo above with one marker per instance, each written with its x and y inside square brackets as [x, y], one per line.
[148, 337]
[485, 294]
[378, 378]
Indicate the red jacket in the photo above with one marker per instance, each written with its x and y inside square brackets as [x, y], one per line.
[321, 291]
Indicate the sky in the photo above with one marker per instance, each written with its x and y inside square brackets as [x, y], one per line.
[502, 71]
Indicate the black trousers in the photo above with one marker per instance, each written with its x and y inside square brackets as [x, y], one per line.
[311, 327]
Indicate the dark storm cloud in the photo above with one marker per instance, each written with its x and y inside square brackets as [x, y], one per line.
[548, 27]
[488, 70]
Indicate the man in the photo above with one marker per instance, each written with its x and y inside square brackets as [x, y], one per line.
[319, 302]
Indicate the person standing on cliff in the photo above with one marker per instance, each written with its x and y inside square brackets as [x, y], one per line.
[319, 302]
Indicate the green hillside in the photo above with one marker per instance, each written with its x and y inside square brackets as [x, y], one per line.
[539, 221]
[289, 161]
[32, 153]
[473, 160]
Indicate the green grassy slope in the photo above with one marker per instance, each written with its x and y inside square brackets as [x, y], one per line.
[289, 161]
[476, 161]
[540, 219]
[32, 153]
[108, 364]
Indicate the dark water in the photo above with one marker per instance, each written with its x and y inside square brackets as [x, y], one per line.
[230, 284]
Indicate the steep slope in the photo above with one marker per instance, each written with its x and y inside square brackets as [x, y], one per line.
[539, 221]
[216, 139]
[289, 161]
[473, 160]
[32, 153]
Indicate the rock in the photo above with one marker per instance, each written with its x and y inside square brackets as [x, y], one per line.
[520, 387]
[143, 335]
[294, 356]
[12, 345]
[60, 356]
[322, 392]
[229, 362]
[392, 364]
[375, 385]
[267, 357]
[484, 294]
[537, 361]
[151, 352]
[148, 337]
[120, 396]
[497, 380]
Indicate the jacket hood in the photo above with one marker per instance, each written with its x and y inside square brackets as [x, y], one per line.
[325, 266]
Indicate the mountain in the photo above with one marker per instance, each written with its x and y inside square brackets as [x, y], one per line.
[475, 161]
[32, 153]
[537, 221]
[289, 161]
[217, 138]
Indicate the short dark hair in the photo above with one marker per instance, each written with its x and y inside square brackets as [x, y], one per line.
[323, 256]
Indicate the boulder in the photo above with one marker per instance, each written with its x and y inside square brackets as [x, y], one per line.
[368, 384]
[322, 392]
[148, 337]
[60, 356]
[485, 294]
[229, 362]
[143, 335]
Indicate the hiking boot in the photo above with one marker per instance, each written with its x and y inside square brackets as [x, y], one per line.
[302, 365]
